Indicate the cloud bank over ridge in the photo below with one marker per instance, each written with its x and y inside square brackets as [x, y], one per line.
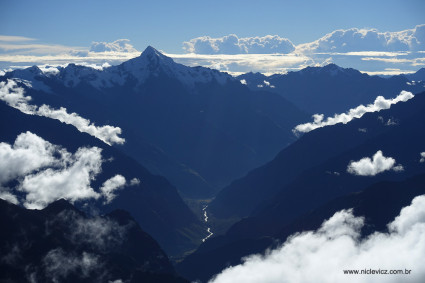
[14, 96]
[365, 49]
[379, 104]
[323, 255]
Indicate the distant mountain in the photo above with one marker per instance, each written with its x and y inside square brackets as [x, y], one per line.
[331, 89]
[153, 202]
[379, 204]
[417, 77]
[62, 244]
[198, 127]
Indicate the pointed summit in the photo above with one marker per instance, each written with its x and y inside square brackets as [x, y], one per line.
[153, 56]
[153, 63]
[151, 51]
[150, 59]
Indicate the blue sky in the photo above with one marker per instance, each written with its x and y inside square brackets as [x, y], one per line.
[65, 32]
[166, 24]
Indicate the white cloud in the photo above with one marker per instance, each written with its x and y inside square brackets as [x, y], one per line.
[422, 160]
[231, 44]
[379, 104]
[120, 45]
[44, 172]
[71, 182]
[115, 183]
[15, 97]
[243, 82]
[359, 40]
[108, 134]
[28, 153]
[134, 182]
[388, 72]
[370, 167]
[7, 196]
[323, 255]
[111, 185]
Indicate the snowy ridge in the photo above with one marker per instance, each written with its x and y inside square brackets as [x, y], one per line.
[150, 63]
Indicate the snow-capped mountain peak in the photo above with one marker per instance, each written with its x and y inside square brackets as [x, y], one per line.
[153, 63]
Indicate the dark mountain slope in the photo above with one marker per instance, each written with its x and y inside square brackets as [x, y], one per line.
[379, 204]
[418, 76]
[154, 203]
[60, 243]
[305, 165]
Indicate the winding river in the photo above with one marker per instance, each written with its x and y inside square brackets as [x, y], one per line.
[206, 222]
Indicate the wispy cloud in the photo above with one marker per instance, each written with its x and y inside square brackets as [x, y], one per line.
[380, 103]
[14, 38]
[22, 50]
[323, 255]
[14, 95]
[59, 264]
[422, 160]
[266, 63]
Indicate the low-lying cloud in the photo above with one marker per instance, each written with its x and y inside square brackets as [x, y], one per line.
[100, 233]
[14, 96]
[111, 185]
[242, 63]
[232, 44]
[373, 166]
[59, 264]
[72, 181]
[42, 173]
[379, 104]
[323, 255]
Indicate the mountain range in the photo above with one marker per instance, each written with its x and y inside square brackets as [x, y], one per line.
[198, 127]
[332, 89]
[154, 157]
[154, 202]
